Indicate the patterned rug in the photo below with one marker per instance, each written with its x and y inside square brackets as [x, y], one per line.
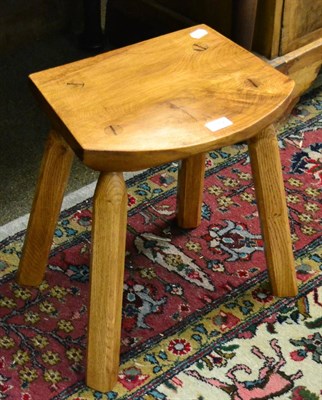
[199, 321]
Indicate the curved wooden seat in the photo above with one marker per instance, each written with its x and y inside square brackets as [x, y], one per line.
[173, 97]
[149, 103]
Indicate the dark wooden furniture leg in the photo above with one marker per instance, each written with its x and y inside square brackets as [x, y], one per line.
[92, 37]
[243, 19]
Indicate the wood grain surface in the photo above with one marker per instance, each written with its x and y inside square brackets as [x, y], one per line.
[191, 177]
[271, 203]
[301, 65]
[106, 281]
[147, 104]
[54, 173]
[302, 24]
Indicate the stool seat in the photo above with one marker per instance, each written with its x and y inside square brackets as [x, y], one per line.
[150, 103]
[173, 97]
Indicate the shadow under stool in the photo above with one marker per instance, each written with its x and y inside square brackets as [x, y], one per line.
[174, 97]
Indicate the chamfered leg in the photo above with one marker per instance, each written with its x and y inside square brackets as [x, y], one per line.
[191, 177]
[106, 281]
[271, 202]
[54, 173]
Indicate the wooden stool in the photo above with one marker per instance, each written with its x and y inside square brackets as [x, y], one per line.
[169, 98]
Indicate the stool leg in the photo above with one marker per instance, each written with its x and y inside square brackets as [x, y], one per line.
[54, 173]
[270, 194]
[190, 188]
[106, 276]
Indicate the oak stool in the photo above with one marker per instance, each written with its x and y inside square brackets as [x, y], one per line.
[170, 98]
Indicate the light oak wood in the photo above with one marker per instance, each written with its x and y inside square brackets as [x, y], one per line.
[302, 65]
[141, 106]
[54, 173]
[270, 195]
[302, 24]
[190, 189]
[175, 84]
[106, 280]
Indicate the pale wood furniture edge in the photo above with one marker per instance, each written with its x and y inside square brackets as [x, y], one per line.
[302, 41]
[301, 65]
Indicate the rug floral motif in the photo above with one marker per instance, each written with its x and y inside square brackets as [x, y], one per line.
[199, 320]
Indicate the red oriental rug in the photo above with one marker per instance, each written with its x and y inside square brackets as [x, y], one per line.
[199, 320]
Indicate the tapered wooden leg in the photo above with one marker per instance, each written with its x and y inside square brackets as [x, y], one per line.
[54, 173]
[106, 277]
[190, 188]
[270, 194]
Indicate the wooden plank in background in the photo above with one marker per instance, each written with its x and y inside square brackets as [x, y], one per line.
[268, 27]
[243, 22]
[302, 24]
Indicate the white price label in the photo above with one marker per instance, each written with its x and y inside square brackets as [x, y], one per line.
[217, 124]
[198, 33]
